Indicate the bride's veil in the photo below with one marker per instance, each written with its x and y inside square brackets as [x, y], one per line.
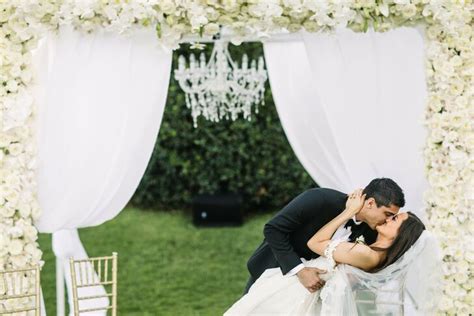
[352, 291]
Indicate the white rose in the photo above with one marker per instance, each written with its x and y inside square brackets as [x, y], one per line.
[26, 76]
[19, 261]
[383, 8]
[12, 180]
[458, 157]
[225, 20]
[461, 278]
[7, 210]
[12, 197]
[15, 247]
[15, 232]
[294, 27]
[35, 212]
[409, 10]
[211, 29]
[12, 85]
[311, 26]
[33, 250]
[15, 149]
[167, 6]
[30, 233]
[256, 10]
[25, 210]
[446, 303]
[4, 140]
[212, 14]
[298, 15]
[273, 10]
[456, 87]
[15, 71]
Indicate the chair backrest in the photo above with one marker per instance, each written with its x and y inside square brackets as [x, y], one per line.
[20, 291]
[385, 292]
[386, 300]
[94, 272]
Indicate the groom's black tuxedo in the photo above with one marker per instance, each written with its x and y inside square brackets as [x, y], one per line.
[287, 233]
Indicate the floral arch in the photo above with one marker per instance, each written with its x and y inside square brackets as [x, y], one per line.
[449, 147]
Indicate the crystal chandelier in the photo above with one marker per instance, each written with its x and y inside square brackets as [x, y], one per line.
[219, 88]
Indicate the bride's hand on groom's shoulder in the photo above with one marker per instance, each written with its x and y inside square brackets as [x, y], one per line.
[355, 202]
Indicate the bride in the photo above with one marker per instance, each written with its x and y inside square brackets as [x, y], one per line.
[277, 294]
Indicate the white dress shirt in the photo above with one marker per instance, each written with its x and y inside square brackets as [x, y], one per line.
[341, 232]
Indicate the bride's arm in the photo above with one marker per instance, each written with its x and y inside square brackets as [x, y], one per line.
[356, 255]
[321, 239]
[360, 256]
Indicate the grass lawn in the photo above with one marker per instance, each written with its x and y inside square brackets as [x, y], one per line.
[166, 265]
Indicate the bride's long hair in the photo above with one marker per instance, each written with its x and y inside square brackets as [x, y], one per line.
[409, 232]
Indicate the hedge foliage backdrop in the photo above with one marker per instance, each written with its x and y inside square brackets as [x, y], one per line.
[252, 158]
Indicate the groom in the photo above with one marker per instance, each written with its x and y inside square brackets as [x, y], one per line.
[287, 233]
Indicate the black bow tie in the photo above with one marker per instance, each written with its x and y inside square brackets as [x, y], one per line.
[350, 223]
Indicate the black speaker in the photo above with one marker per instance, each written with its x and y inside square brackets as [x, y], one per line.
[217, 210]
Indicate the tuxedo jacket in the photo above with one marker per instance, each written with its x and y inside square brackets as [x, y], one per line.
[287, 233]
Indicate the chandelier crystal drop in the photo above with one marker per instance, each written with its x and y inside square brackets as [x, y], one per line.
[219, 89]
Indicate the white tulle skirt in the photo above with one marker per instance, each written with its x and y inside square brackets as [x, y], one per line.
[277, 294]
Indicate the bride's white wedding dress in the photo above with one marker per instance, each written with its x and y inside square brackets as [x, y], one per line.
[277, 294]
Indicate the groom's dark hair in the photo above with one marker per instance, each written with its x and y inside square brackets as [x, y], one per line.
[385, 192]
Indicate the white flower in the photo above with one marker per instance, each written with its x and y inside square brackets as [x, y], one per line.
[15, 232]
[167, 6]
[19, 261]
[35, 211]
[12, 197]
[15, 247]
[26, 76]
[15, 149]
[7, 210]
[12, 85]
[409, 10]
[197, 45]
[458, 157]
[383, 7]
[360, 240]
[25, 210]
[30, 233]
[32, 249]
[211, 29]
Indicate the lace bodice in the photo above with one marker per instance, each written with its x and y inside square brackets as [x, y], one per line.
[326, 262]
[328, 252]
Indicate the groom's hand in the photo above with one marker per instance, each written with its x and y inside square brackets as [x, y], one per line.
[310, 279]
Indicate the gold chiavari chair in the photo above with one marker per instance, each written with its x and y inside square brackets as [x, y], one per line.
[20, 291]
[93, 272]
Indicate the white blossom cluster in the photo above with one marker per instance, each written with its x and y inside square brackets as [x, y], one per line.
[449, 149]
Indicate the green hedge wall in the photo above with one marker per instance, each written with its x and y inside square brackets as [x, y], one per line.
[252, 158]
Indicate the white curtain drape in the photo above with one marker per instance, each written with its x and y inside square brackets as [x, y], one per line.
[101, 98]
[352, 105]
